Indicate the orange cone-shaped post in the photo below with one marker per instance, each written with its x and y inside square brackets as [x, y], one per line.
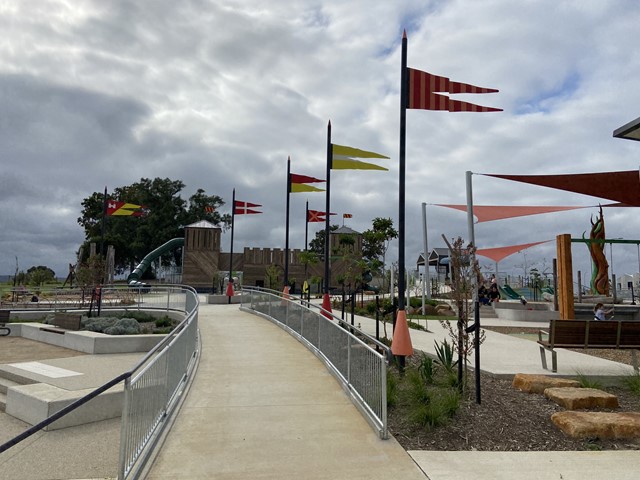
[401, 343]
[285, 295]
[326, 305]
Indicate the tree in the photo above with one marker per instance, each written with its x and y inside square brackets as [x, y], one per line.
[375, 243]
[317, 243]
[464, 276]
[37, 276]
[168, 213]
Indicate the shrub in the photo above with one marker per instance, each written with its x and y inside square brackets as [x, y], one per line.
[164, 322]
[444, 352]
[632, 382]
[588, 382]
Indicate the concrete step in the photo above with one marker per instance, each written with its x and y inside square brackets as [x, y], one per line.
[6, 383]
[3, 402]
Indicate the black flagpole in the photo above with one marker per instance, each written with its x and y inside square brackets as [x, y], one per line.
[327, 272]
[306, 228]
[104, 220]
[403, 134]
[233, 216]
[286, 244]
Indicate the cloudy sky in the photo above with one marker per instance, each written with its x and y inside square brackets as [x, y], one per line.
[218, 94]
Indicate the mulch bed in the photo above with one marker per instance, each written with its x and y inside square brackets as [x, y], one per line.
[508, 419]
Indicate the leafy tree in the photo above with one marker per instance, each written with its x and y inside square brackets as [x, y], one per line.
[375, 243]
[464, 276]
[37, 276]
[317, 244]
[168, 213]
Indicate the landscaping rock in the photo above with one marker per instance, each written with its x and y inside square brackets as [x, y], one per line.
[539, 383]
[598, 424]
[573, 398]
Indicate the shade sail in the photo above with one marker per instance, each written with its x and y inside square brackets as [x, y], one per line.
[621, 187]
[499, 253]
[487, 213]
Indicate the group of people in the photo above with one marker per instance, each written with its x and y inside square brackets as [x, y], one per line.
[487, 296]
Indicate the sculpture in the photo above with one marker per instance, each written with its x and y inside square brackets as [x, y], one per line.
[599, 264]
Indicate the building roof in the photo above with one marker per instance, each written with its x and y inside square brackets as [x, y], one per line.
[346, 230]
[202, 224]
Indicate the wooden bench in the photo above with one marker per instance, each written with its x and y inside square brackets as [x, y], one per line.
[4, 318]
[613, 334]
[63, 322]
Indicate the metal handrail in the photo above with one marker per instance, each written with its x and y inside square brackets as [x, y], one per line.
[153, 356]
[345, 349]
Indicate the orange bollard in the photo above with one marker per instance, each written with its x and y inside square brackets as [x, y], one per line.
[326, 305]
[230, 292]
[401, 343]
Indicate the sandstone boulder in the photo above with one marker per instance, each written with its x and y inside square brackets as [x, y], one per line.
[573, 398]
[539, 383]
[598, 424]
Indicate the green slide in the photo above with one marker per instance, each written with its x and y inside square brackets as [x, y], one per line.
[146, 261]
[509, 292]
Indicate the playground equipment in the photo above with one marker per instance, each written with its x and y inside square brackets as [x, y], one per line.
[136, 274]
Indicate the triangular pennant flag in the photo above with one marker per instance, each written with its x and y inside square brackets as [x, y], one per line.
[423, 87]
[302, 187]
[295, 178]
[124, 209]
[344, 158]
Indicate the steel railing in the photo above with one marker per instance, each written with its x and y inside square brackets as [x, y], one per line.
[350, 355]
[153, 386]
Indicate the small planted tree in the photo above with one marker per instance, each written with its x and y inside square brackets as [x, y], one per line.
[465, 273]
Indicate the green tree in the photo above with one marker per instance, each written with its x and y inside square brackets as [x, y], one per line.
[167, 214]
[38, 276]
[375, 243]
[317, 243]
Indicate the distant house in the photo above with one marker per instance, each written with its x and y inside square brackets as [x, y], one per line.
[438, 259]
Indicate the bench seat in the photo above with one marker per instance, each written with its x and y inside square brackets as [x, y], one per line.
[609, 334]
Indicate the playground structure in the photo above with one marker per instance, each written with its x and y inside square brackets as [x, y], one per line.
[205, 265]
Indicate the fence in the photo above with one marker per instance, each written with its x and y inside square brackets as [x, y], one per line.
[345, 350]
[153, 386]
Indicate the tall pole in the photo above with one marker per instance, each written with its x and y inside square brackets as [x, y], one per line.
[402, 155]
[326, 301]
[427, 275]
[472, 234]
[286, 243]
[233, 217]
[306, 227]
[104, 219]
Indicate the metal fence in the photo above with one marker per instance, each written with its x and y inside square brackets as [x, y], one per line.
[346, 351]
[155, 384]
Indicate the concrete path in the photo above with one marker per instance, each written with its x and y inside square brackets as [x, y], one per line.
[263, 407]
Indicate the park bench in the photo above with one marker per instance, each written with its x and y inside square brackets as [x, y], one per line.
[609, 334]
[4, 318]
[64, 321]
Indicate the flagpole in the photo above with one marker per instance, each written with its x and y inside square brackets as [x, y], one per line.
[104, 219]
[286, 244]
[401, 197]
[326, 301]
[233, 216]
[306, 228]
[401, 342]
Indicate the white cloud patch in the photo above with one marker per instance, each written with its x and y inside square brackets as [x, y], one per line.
[219, 94]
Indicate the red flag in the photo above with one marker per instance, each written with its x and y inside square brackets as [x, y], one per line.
[295, 178]
[245, 208]
[347, 215]
[422, 93]
[315, 216]
[209, 209]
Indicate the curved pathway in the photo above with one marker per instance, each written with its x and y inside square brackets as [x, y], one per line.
[262, 406]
